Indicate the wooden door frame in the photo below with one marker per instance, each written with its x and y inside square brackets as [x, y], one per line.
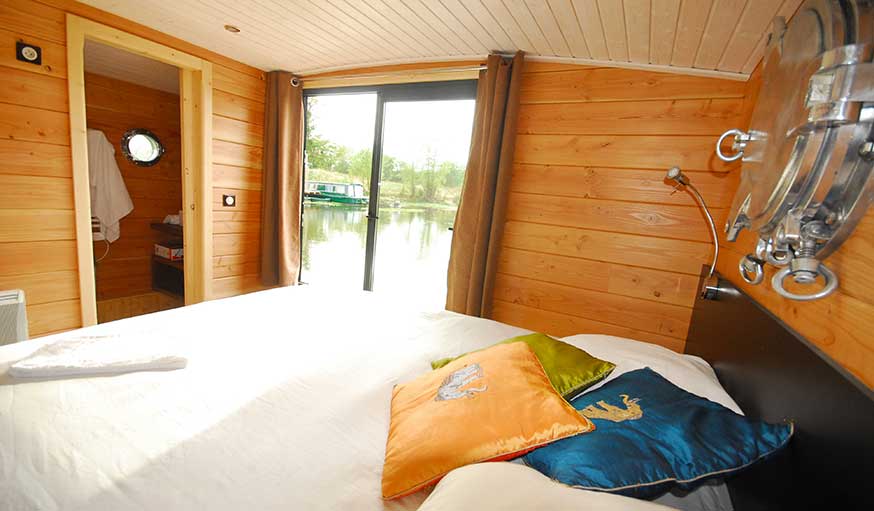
[195, 99]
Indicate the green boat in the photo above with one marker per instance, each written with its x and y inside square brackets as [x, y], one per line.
[342, 193]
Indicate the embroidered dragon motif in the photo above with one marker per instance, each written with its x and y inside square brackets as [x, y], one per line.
[631, 412]
[451, 386]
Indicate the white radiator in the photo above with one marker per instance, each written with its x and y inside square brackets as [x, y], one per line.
[13, 317]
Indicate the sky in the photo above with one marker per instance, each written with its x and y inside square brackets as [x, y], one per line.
[411, 128]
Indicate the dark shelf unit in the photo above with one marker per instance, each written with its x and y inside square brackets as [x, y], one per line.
[171, 229]
[168, 276]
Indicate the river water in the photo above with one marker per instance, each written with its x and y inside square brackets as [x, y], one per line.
[412, 251]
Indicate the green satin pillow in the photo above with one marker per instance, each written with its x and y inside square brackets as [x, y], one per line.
[570, 369]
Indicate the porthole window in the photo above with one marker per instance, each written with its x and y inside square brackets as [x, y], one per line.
[141, 147]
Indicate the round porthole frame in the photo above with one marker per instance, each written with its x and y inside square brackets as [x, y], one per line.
[130, 134]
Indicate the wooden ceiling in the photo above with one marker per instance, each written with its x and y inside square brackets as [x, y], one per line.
[305, 36]
[130, 67]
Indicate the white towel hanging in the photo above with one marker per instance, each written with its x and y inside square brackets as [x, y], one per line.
[110, 201]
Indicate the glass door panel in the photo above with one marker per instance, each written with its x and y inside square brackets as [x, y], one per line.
[337, 174]
[424, 156]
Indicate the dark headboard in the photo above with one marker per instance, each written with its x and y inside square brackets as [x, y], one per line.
[775, 374]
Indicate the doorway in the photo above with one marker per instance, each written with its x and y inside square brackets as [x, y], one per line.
[406, 148]
[194, 114]
[135, 176]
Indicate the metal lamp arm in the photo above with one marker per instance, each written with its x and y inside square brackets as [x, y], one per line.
[710, 222]
[710, 285]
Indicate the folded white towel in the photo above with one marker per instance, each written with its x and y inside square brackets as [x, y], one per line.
[98, 355]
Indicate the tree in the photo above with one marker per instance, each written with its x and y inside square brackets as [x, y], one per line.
[391, 169]
[408, 178]
[452, 174]
[430, 179]
[320, 153]
[360, 164]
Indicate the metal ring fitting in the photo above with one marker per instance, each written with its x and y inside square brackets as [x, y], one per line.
[737, 135]
[831, 283]
[751, 270]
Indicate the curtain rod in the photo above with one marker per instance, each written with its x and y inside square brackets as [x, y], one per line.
[434, 70]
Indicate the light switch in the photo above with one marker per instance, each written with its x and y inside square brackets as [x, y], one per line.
[229, 201]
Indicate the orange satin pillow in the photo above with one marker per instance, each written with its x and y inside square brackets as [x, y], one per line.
[489, 405]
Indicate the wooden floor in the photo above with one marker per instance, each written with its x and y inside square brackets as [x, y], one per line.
[136, 305]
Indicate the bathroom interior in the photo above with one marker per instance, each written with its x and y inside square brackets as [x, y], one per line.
[134, 142]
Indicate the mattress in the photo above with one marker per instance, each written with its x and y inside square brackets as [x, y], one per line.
[284, 405]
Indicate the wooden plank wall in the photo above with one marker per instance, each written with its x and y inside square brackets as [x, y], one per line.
[238, 139]
[841, 324]
[113, 107]
[595, 240]
[37, 235]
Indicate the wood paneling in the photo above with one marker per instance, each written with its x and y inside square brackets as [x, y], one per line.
[667, 117]
[34, 159]
[47, 318]
[645, 185]
[691, 152]
[237, 107]
[663, 32]
[627, 217]
[633, 250]
[841, 324]
[238, 133]
[22, 258]
[126, 270]
[236, 285]
[635, 282]
[35, 224]
[718, 31]
[583, 84]
[595, 239]
[45, 287]
[30, 18]
[20, 87]
[643, 315]
[563, 324]
[33, 124]
[33, 192]
[231, 265]
[238, 155]
[37, 235]
[344, 34]
[54, 56]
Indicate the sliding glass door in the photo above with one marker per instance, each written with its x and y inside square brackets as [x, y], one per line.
[338, 168]
[384, 213]
[425, 151]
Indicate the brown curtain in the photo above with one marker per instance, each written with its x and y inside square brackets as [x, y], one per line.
[481, 211]
[282, 183]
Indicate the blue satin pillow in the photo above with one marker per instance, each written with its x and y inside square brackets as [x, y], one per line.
[652, 435]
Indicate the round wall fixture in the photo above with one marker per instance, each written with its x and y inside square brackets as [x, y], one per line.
[808, 156]
[141, 147]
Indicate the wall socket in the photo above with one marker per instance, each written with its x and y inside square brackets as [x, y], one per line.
[28, 53]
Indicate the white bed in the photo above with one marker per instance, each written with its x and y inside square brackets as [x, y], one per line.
[284, 405]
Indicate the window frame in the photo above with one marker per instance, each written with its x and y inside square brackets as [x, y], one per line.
[388, 93]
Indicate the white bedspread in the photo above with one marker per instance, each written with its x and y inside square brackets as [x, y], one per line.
[284, 405]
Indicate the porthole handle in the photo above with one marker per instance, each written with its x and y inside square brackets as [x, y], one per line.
[751, 269]
[831, 283]
[740, 141]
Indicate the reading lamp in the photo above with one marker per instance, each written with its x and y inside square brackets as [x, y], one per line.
[710, 286]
